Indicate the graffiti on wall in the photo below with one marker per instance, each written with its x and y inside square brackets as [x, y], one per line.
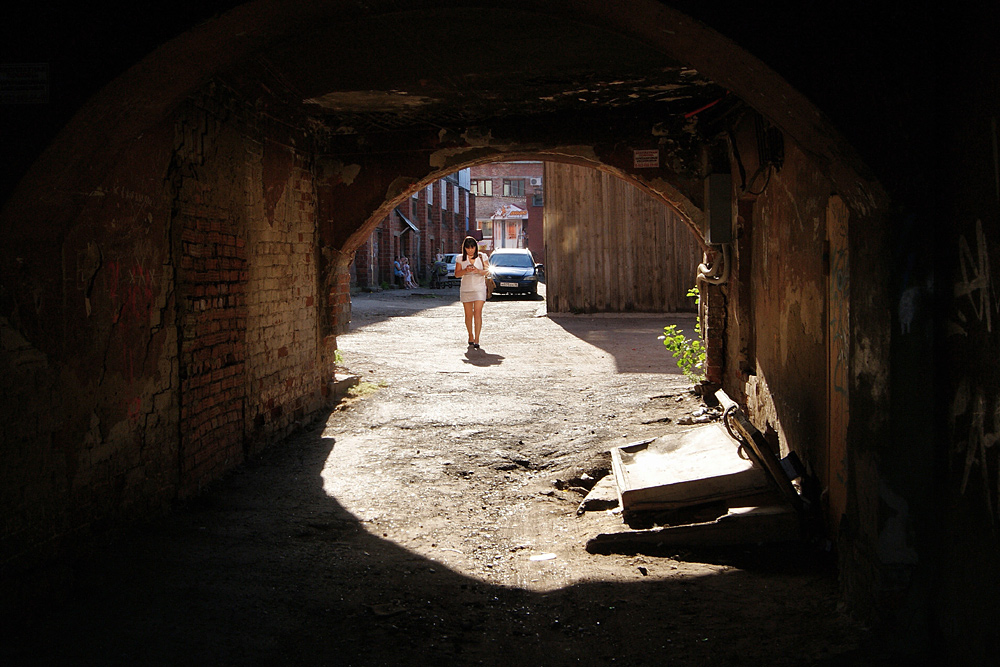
[130, 291]
[977, 449]
[975, 415]
[129, 285]
[975, 282]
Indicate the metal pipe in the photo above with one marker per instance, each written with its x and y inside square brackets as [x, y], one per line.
[718, 272]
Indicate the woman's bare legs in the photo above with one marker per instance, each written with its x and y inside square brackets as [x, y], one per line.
[477, 314]
[469, 313]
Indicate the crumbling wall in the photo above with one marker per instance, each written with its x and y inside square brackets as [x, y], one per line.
[91, 438]
[775, 308]
[175, 335]
[245, 212]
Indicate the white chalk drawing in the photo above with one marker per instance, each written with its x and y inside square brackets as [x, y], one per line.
[975, 429]
[975, 449]
[975, 281]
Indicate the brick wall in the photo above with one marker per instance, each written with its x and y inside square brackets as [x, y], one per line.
[712, 306]
[284, 381]
[498, 171]
[250, 361]
[213, 318]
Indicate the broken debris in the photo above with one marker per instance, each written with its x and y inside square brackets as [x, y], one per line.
[694, 468]
[604, 496]
[720, 483]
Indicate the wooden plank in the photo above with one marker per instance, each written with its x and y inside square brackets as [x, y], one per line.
[612, 247]
[756, 525]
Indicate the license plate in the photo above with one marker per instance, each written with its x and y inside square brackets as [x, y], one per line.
[508, 284]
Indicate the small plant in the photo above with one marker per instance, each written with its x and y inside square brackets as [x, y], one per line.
[338, 358]
[688, 352]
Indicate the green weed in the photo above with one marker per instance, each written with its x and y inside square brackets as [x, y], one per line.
[689, 353]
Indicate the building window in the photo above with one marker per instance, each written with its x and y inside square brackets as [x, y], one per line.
[482, 187]
[513, 187]
[487, 228]
[537, 199]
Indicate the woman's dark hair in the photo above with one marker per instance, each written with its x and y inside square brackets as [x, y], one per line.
[469, 241]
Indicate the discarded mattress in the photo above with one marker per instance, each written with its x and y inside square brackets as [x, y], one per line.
[682, 470]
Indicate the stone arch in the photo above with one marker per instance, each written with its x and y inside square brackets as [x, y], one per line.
[661, 189]
[132, 118]
[136, 101]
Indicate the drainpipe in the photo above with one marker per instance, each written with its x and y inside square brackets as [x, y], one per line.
[718, 272]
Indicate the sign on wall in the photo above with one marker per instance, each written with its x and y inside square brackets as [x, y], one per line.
[646, 158]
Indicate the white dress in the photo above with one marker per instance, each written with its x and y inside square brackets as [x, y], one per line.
[473, 285]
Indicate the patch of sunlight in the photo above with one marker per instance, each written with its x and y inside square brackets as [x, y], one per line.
[365, 388]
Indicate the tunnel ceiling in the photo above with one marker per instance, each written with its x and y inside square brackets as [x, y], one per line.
[442, 69]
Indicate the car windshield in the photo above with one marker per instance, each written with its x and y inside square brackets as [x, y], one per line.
[513, 260]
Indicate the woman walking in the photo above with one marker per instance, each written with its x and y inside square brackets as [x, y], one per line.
[471, 268]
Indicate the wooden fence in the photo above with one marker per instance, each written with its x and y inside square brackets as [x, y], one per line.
[610, 247]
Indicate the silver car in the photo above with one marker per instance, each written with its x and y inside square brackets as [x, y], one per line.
[450, 259]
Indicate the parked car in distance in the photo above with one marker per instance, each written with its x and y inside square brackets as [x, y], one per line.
[450, 259]
[514, 271]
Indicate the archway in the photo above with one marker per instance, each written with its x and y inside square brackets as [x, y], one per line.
[223, 134]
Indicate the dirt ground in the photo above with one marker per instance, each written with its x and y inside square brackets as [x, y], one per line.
[433, 519]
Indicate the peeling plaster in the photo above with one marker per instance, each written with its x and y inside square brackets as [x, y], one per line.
[807, 296]
[445, 157]
[867, 361]
[399, 186]
[340, 172]
[794, 202]
[441, 158]
[476, 137]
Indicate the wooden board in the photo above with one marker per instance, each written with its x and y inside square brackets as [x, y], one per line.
[611, 247]
[682, 470]
[757, 525]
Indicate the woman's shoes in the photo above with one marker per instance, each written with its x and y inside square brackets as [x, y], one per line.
[475, 345]
[471, 344]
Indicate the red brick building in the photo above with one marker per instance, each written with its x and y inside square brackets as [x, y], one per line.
[509, 200]
[433, 220]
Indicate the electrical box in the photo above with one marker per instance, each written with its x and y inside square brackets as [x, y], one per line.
[719, 208]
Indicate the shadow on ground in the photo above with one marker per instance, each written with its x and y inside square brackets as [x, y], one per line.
[265, 568]
[631, 338]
